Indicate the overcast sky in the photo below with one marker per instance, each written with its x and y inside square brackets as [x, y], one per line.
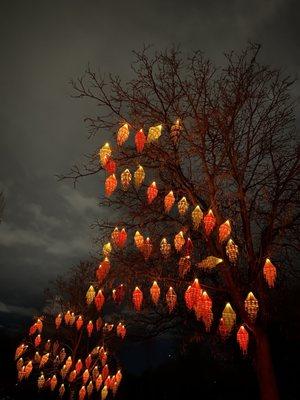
[43, 45]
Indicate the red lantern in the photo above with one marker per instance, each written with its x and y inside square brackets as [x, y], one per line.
[147, 248]
[33, 329]
[188, 297]
[122, 237]
[78, 366]
[224, 231]
[137, 298]
[105, 372]
[184, 265]
[209, 222]
[115, 236]
[58, 321]
[188, 247]
[37, 340]
[196, 291]
[88, 361]
[270, 273]
[90, 328]
[39, 325]
[152, 192]
[110, 185]
[140, 140]
[179, 241]
[99, 300]
[222, 329]
[121, 330]
[169, 201]
[242, 337]
[119, 294]
[155, 292]
[110, 166]
[79, 323]
[171, 299]
[103, 270]
[82, 393]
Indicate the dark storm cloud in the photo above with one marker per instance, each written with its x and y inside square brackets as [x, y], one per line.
[43, 44]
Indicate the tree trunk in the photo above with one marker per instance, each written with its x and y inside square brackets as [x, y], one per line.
[264, 367]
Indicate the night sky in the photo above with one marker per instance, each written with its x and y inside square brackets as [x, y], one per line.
[46, 226]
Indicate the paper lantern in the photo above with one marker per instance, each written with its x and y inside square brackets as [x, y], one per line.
[21, 374]
[270, 273]
[58, 321]
[232, 251]
[138, 240]
[154, 133]
[196, 292]
[110, 184]
[67, 317]
[251, 306]
[72, 376]
[72, 319]
[90, 328]
[171, 299]
[122, 237]
[139, 176]
[68, 363]
[103, 270]
[207, 320]
[106, 250]
[61, 390]
[123, 134]
[114, 388]
[105, 371]
[90, 295]
[44, 360]
[118, 376]
[64, 371]
[155, 292]
[188, 298]
[119, 294]
[20, 350]
[229, 317]
[78, 366]
[110, 166]
[126, 179]
[121, 330]
[19, 364]
[85, 376]
[169, 201]
[95, 373]
[197, 217]
[140, 140]
[41, 381]
[33, 329]
[90, 388]
[28, 369]
[207, 310]
[104, 154]
[37, 340]
[183, 206]
[62, 355]
[224, 231]
[104, 393]
[175, 132]
[137, 298]
[82, 393]
[188, 247]
[98, 382]
[184, 265]
[209, 222]
[99, 300]
[79, 323]
[147, 248]
[165, 248]
[37, 357]
[152, 192]
[115, 236]
[88, 361]
[222, 329]
[242, 337]
[53, 382]
[39, 325]
[179, 241]
[209, 262]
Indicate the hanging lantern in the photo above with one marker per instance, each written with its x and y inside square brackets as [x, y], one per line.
[64, 371]
[183, 206]
[104, 154]
[82, 393]
[169, 201]
[121, 330]
[126, 179]
[62, 355]
[33, 329]
[138, 240]
[224, 231]
[90, 388]
[39, 325]
[78, 366]
[37, 340]
[110, 166]
[67, 317]
[88, 361]
[137, 298]
[115, 236]
[114, 388]
[175, 132]
[197, 216]
[209, 262]
[104, 392]
[222, 329]
[123, 134]
[44, 360]
[188, 247]
[171, 299]
[155, 292]
[196, 292]
[72, 319]
[270, 273]
[147, 248]
[28, 369]
[207, 310]
[68, 363]
[90, 295]
[41, 381]
[107, 249]
[95, 373]
[140, 140]
[53, 382]
[103, 270]
[90, 328]
[209, 222]
[119, 294]
[110, 184]
[251, 306]
[58, 321]
[179, 241]
[232, 251]
[188, 298]
[105, 371]
[85, 376]
[37, 357]
[229, 317]
[154, 133]
[20, 364]
[122, 237]
[72, 376]
[152, 192]
[139, 176]
[62, 390]
[118, 377]
[98, 383]
[99, 300]
[242, 337]
[21, 374]
[184, 265]
[20, 350]
[165, 248]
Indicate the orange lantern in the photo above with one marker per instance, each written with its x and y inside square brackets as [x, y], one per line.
[44, 360]
[155, 292]
[139, 176]
[224, 231]
[270, 273]
[21, 373]
[90, 295]
[165, 248]
[82, 393]
[53, 382]
[183, 206]
[37, 340]
[251, 306]
[122, 237]
[33, 329]
[110, 184]
[99, 381]
[90, 388]
[121, 330]
[88, 361]
[90, 328]
[104, 154]
[118, 376]
[137, 298]
[72, 376]
[154, 133]
[229, 317]
[171, 299]
[184, 265]
[20, 364]
[147, 248]
[85, 376]
[69, 362]
[115, 236]
[67, 317]
[140, 140]
[110, 166]
[209, 222]
[197, 216]
[20, 350]
[209, 262]
[138, 240]
[196, 292]
[28, 369]
[72, 319]
[232, 251]
[126, 179]
[58, 321]
[175, 132]
[62, 390]
[105, 371]
[123, 134]
[79, 323]
[95, 373]
[78, 366]
[242, 337]
[99, 300]
[103, 270]
[188, 298]
[104, 392]
[152, 192]
[179, 241]
[169, 201]
[41, 381]
[39, 325]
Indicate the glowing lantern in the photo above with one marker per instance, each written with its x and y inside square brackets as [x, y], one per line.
[82, 393]
[72, 376]
[85, 376]
[152, 192]
[242, 337]
[104, 393]
[224, 231]
[171, 299]
[95, 373]
[165, 248]
[155, 292]
[179, 241]
[104, 154]
[48, 345]
[169, 201]
[67, 317]
[78, 366]
[103, 270]
[39, 325]
[137, 298]
[20, 364]
[79, 323]
[229, 317]
[33, 329]
[21, 373]
[123, 134]
[138, 240]
[61, 390]
[188, 298]
[122, 331]
[107, 382]
[28, 369]
[90, 328]
[44, 360]
[62, 355]
[98, 382]
[58, 321]
[37, 340]
[270, 273]
[209, 222]
[139, 176]
[106, 249]
[105, 371]
[110, 184]
[119, 294]
[147, 248]
[126, 179]
[183, 206]
[207, 312]
[20, 350]
[115, 236]
[41, 381]
[37, 357]
[197, 216]
[184, 265]
[53, 382]
[118, 377]
[115, 388]
[64, 371]
[251, 306]
[196, 291]
[122, 237]
[232, 251]
[175, 132]
[110, 166]
[90, 388]
[154, 133]
[209, 262]
[222, 329]
[188, 247]
[72, 319]
[88, 361]
[90, 295]
[140, 140]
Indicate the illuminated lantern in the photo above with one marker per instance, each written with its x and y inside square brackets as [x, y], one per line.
[188, 247]
[105, 371]
[122, 237]
[126, 179]
[232, 251]
[175, 132]
[47, 345]
[110, 166]
[44, 360]
[106, 249]
[147, 248]
[90, 328]
[67, 317]
[104, 393]
[184, 265]
[152, 192]
[58, 321]
[20, 364]
[229, 317]
[165, 248]
[251, 306]
[90, 388]
[270, 273]
[33, 329]
[169, 201]
[196, 292]
[197, 216]
[78, 366]
[179, 241]
[21, 373]
[207, 312]
[82, 393]
[110, 184]
[98, 382]
[72, 376]
[79, 323]
[224, 231]
[155, 292]
[37, 340]
[107, 382]
[37, 357]
[139, 176]
[140, 140]
[28, 369]
[95, 372]
[121, 330]
[183, 206]
[72, 319]
[115, 388]
[20, 350]
[123, 134]
[242, 337]
[188, 298]
[104, 154]
[222, 329]
[103, 270]
[53, 382]
[154, 133]
[62, 390]
[119, 294]
[209, 222]
[118, 377]
[85, 376]
[41, 381]
[90, 295]
[88, 361]
[39, 325]
[115, 236]
[138, 240]
[62, 355]
[171, 299]
[137, 298]
[209, 262]
[64, 371]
